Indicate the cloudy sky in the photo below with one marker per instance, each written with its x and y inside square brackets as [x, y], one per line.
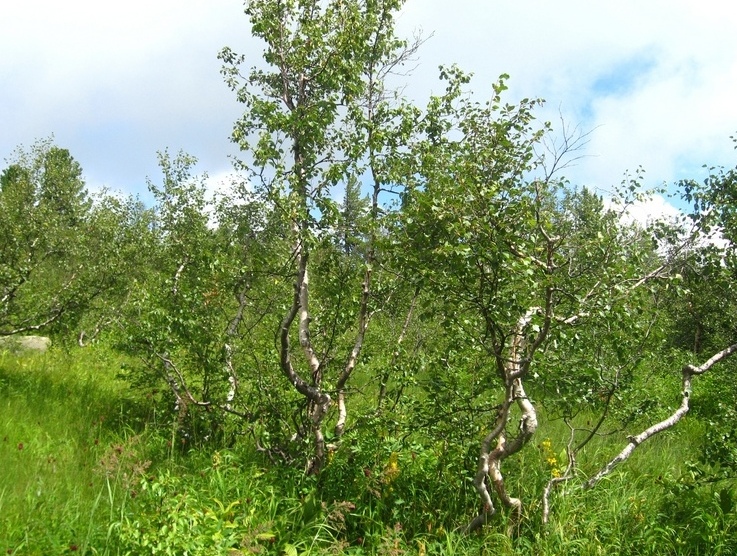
[654, 81]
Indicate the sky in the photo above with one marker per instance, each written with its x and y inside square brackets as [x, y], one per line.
[654, 83]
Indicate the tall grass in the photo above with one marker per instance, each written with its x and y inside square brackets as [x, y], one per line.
[84, 469]
[59, 415]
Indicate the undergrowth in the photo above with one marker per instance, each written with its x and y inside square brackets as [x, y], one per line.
[87, 468]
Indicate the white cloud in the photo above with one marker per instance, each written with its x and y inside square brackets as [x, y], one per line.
[227, 182]
[648, 211]
[117, 81]
[657, 209]
[675, 116]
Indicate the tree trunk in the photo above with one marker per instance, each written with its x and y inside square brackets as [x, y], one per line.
[490, 461]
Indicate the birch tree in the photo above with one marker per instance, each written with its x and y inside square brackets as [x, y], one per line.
[46, 274]
[190, 308]
[490, 233]
[317, 115]
[702, 310]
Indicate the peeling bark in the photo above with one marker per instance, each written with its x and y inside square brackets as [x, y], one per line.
[304, 324]
[318, 400]
[490, 461]
[527, 428]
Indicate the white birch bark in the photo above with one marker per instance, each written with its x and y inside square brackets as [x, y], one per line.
[364, 317]
[230, 333]
[304, 325]
[319, 401]
[489, 462]
[688, 372]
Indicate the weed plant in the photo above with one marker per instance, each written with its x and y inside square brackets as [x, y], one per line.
[62, 416]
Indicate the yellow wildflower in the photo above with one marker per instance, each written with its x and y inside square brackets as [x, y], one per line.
[391, 471]
[546, 446]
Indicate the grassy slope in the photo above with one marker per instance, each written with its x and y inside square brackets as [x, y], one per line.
[59, 416]
[75, 478]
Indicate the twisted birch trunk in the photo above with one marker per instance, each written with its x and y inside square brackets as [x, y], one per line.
[490, 460]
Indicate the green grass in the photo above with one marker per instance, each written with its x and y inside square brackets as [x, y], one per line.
[59, 416]
[86, 469]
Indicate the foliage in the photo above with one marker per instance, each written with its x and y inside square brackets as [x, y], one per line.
[66, 259]
[379, 495]
[430, 269]
[526, 273]
[43, 205]
[317, 118]
[207, 283]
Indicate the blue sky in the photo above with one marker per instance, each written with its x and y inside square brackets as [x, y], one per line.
[115, 82]
[624, 76]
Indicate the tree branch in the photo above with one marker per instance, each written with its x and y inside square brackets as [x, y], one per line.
[634, 441]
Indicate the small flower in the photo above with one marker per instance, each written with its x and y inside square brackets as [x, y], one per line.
[391, 471]
[549, 457]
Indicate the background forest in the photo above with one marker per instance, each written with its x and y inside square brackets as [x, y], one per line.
[402, 330]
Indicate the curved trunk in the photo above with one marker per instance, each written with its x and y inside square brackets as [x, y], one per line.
[490, 461]
[513, 370]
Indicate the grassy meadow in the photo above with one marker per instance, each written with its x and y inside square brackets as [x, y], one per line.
[88, 467]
